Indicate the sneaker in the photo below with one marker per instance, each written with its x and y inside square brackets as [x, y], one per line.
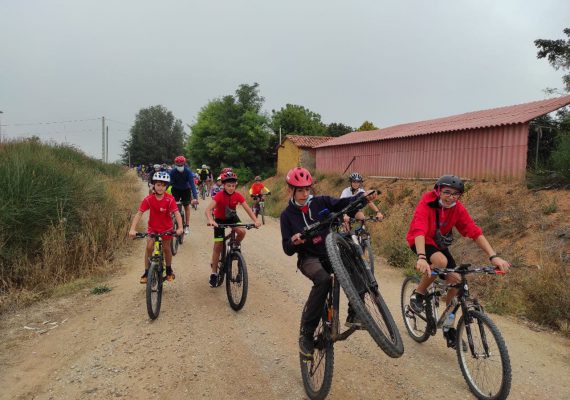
[186, 230]
[306, 346]
[213, 280]
[170, 275]
[144, 277]
[417, 302]
[352, 321]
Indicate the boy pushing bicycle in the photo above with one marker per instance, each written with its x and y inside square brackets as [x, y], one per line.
[161, 206]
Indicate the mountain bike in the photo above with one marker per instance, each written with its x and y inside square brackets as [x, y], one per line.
[260, 207]
[175, 242]
[363, 237]
[481, 350]
[232, 267]
[203, 190]
[355, 277]
[156, 273]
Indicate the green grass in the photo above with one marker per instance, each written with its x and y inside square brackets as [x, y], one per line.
[100, 289]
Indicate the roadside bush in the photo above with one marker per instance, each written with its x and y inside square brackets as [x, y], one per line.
[62, 214]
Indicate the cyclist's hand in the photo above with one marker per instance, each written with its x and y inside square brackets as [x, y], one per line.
[213, 223]
[380, 216]
[194, 201]
[422, 266]
[132, 233]
[501, 264]
[346, 218]
[296, 239]
[179, 231]
[257, 224]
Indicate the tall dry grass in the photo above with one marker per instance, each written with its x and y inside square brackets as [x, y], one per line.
[63, 216]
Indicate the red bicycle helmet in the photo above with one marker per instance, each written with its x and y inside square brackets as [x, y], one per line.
[180, 160]
[299, 177]
[229, 176]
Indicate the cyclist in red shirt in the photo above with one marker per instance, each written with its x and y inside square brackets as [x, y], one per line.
[257, 191]
[161, 205]
[224, 206]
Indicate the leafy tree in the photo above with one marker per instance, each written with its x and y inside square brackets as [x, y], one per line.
[232, 131]
[338, 129]
[297, 120]
[557, 52]
[367, 126]
[156, 137]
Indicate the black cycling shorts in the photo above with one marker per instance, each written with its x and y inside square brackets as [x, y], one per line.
[430, 250]
[183, 195]
[219, 232]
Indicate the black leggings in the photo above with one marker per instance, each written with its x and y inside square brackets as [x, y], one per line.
[313, 269]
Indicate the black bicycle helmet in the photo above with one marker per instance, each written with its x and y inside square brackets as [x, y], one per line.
[451, 181]
[355, 177]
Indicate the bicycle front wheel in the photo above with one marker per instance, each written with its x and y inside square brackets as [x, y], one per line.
[483, 357]
[317, 373]
[154, 290]
[363, 295]
[368, 254]
[236, 280]
[262, 212]
[416, 324]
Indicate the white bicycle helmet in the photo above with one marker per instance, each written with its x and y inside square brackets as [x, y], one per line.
[204, 166]
[355, 177]
[161, 176]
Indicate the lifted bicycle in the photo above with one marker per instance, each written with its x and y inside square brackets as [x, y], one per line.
[355, 276]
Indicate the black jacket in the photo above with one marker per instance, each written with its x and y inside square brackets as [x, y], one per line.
[293, 221]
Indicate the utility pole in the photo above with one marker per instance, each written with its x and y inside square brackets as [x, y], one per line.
[107, 146]
[103, 139]
[1, 112]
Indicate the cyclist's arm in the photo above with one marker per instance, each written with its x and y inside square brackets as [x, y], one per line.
[497, 261]
[266, 190]
[208, 212]
[193, 186]
[422, 264]
[136, 219]
[289, 247]
[249, 212]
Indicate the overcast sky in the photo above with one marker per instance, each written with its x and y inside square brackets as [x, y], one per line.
[389, 62]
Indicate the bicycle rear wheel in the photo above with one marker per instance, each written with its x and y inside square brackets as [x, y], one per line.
[363, 295]
[317, 373]
[154, 290]
[416, 324]
[483, 357]
[236, 280]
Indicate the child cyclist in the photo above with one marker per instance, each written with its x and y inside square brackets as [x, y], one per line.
[312, 259]
[183, 188]
[355, 180]
[216, 187]
[161, 206]
[257, 190]
[224, 206]
[430, 236]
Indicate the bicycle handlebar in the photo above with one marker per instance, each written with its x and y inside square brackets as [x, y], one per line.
[330, 218]
[464, 269]
[140, 235]
[247, 226]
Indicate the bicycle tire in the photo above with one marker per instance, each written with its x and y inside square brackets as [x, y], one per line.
[262, 212]
[487, 333]
[317, 373]
[180, 238]
[236, 280]
[390, 340]
[174, 241]
[154, 290]
[419, 333]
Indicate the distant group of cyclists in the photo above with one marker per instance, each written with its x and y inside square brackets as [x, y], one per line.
[429, 236]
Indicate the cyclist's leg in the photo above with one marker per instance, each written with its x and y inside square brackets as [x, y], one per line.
[217, 249]
[360, 215]
[312, 268]
[185, 198]
[167, 251]
[240, 234]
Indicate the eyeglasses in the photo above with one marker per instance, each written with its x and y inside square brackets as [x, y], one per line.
[451, 194]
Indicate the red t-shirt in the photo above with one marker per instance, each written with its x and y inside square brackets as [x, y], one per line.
[159, 219]
[256, 188]
[224, 200]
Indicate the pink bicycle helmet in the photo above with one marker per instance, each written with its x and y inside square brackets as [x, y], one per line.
[299, 177]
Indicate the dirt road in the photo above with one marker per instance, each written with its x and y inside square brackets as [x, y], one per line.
[104, 346]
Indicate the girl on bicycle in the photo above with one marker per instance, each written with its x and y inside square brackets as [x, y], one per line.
[224, 206]
[356, 182]
[161, 206]
[312, 259]
[430, 236]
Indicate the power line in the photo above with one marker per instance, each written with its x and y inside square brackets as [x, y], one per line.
[53, 122]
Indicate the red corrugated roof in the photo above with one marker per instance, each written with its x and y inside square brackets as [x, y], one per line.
[308, 141]
[517, 114]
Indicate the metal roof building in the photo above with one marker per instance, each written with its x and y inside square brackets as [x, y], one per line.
[482, 144]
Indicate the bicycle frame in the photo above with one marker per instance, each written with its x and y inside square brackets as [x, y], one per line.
[331, 315]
